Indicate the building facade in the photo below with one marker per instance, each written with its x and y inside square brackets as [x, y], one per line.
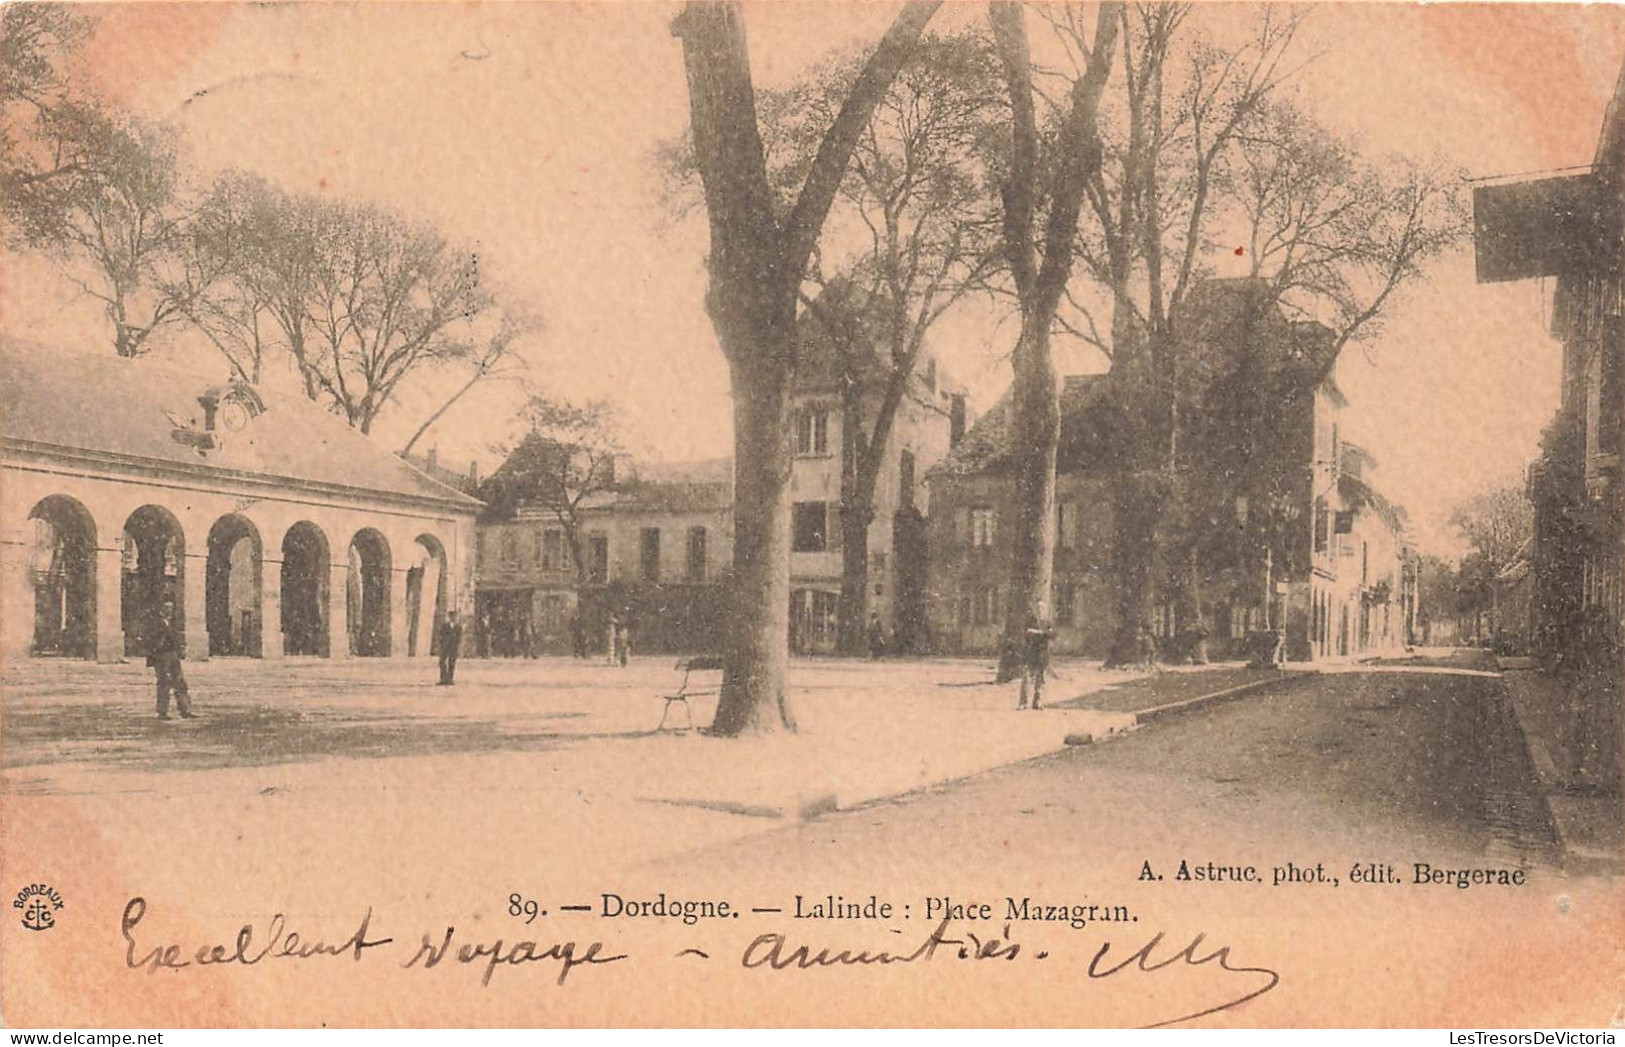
[656, 545]
[269, 527]
[1570, 227]
[1277, 538]
[654, 548]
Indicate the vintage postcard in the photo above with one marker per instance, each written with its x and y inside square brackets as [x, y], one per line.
[818, 514]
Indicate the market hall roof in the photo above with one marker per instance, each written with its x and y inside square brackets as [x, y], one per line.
[141, 415]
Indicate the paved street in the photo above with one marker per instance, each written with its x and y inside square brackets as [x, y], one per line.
[1408, 757]
[436, 810]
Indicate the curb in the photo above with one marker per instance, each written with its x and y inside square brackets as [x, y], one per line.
[819, 804]
[1579, 860]
[1202, 701]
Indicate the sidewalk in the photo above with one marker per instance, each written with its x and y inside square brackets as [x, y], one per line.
[1590, 825]
[868, 730]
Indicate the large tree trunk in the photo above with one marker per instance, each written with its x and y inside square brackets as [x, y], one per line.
[1040, 282]
[857, 510]
[753, 679]
[756, 265]
[854, 605]
[1138, 494]
[1036, 405]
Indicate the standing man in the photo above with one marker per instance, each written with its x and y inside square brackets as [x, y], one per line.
[612, 637]
[451, 638]
[164, 655]
[1035, 660]
[623, 640]
[578, 637]
[877, 636]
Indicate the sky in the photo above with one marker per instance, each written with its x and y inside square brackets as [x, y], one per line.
[529, 131]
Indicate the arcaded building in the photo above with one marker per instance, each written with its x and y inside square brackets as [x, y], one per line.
[270, 526]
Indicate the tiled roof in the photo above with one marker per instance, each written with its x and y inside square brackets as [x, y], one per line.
[106, 405]
[693, 486]
[987, 445]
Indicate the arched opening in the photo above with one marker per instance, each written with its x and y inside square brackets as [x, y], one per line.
[367, 595]
[63, 567]
[306, 569]
[425, 595]
[232, 588]
[153, 574]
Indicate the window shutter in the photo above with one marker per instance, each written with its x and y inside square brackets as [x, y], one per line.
[962, 526]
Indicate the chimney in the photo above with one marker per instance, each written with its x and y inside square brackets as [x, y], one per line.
[956, 419]
[433, 457]
[474, 474]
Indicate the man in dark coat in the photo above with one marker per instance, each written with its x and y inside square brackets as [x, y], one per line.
[164, 655]
[578, 637]
[451, 638]
[1035, 660]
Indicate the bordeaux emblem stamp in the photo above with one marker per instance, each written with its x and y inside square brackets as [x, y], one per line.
[39, 903]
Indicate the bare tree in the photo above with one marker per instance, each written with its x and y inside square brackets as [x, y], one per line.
[757, 262]
[109, 213]
[35, 38]
[563, 463]
[917, 200]
[386, 296]
[1040, 270]
[494, 358]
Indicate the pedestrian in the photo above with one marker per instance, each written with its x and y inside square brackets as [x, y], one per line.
[623, 640]
[1035, 660]
[164, 655]
[578, 637]
[451, 638]
[612, 633]
[877, 636]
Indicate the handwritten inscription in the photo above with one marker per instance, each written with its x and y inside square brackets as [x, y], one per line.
[974, 942]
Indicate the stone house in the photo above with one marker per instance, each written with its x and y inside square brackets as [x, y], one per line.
[1260, 390]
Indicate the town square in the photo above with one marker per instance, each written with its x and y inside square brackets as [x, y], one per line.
[580, 490]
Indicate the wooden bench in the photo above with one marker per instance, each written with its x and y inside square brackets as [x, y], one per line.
[689, 666]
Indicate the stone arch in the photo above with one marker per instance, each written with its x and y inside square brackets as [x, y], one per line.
[306, 578]
[233, 608]
[63, 568]
[367, 595]
[426, 595]
[152, 574]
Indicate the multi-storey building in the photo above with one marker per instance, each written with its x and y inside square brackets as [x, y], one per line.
[1570, 227]
[1277, 548]
[656, 544]
[653, 546]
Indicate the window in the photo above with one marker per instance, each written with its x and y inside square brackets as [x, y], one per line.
[984, 523]
[510, 547]
[812, 431]
[650, 554]
[978, 605]
[598, 558]
[553, 608]
[555, 554]
[809, 526]
[905, 480]
[1066, 602]
[696, 554]
[1323, 525]
[987, 605]
[1066, 524]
